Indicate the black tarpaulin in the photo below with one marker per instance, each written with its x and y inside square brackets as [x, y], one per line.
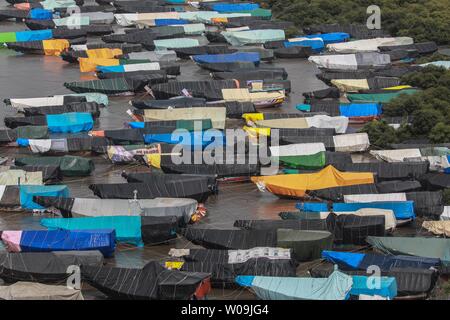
[328, 141]
[14, 122]
[44, 266]
[427, 204]
[421, 47]
[221, 170]
[92, 107]
[182, 102]
[63, 204]
[329, 93]
[185, 53]
[234, 109]
[194, 189]
[356, 31]
[337, 194]
[388, 171]
[152, 282]
[398, 186]
[7, 136]
[224, 274]
[10, 197]
[293, 132]
[434, 181]
[153, 75]
[157, 230]
[295, 52]
[229, 66]
[210, 90]
[121, 136]
[257, 74]
[313, 224]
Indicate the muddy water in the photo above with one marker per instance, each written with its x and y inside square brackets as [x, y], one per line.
[33, 76]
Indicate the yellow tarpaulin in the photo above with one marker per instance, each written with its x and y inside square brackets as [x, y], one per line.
[350, 85]
[216, 114]
[296, 185]
[55, 47]
[242, 94]
[104, 53]
[257, 131]
[90, 64]
[219, 20]
[174, 264]
[287, 123]
[153, 160]
[253, 117]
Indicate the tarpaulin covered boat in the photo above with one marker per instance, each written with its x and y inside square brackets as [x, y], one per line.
[58, 100]
[78, 107]
[355, 111]
[305, 245]
[185, 53]
[402, 210]
[152, 282]
[414, 246]
[351, 61]
[210, 90]
[64, 145]
[21, 36]
[52, 47]
[229, 57]
[130, 229]
[379, 97]
[129, 19]
[257, 74]
[217, 115]
[388, 170]
[356, 31]
[435, 181]
[113, 86]
[261, 98]
[410, 281]
[223, 274]
[50, 174]
[339, 124]
[38, 291]
[297, 185]
[253, 36]
[14, 177]
[158, 207]
[46, 267]
[22, 196]
[294, 164]
[398, 186]
[352, 142]
[368, 45]
[60, 240]
[166, 164]
[57, 123]
[70, 166]
[197, 189]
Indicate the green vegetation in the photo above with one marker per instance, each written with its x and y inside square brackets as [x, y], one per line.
[430, 109]
[424, 20]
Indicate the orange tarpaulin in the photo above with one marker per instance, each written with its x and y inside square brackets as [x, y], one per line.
[55, 47]
[219, 20]
[296, 185]
[22, 6]
[90, 64]
[104, 53]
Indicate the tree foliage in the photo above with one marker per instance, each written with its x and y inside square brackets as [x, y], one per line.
[424, 20]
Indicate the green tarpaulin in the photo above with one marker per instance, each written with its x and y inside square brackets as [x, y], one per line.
[379, 97]
[314, 161]
[70, 166]
[32, 132]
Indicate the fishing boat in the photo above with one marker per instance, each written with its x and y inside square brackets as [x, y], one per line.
[44, 267]
[37, 291]
[242, 38]
[60, 240]
[338, 286]
[197, 189]
[306, 245]
[70, 166]
[115, 86]
[353, 61]
[136, 230]
[82, 107]
[181, 208]
[299, 185]
[21, 196]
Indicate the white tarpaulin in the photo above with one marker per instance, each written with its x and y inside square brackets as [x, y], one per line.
[352, 198]
[14, 177]
[339, 61]
[2, 190]
[353, 142]
[37, 102]
[399, 155]
[154, 56]
[141, 66]
[350, 85]
[390, 221]
[129, 19]
[216, 114]
[99, 17]
[340, 124]
[46, 145]
[444, 216]
[299, 149]
[368, 45]
[241, 256]
[439, 228]
[437, 163]
[244, 95]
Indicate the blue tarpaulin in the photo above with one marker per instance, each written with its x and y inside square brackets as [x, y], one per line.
[186, 138]
[334, 37]
[316, 45]
[63, 240]
[40, 14]
[402, 209]
[106, 69]
[380, 286]
[22, 142]
[360, 109]
[231, 57]
[234, 7]
[128, 228]
[70, 122]
[170, 22]
[28, 192]
[22, 36]
[347, 258]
